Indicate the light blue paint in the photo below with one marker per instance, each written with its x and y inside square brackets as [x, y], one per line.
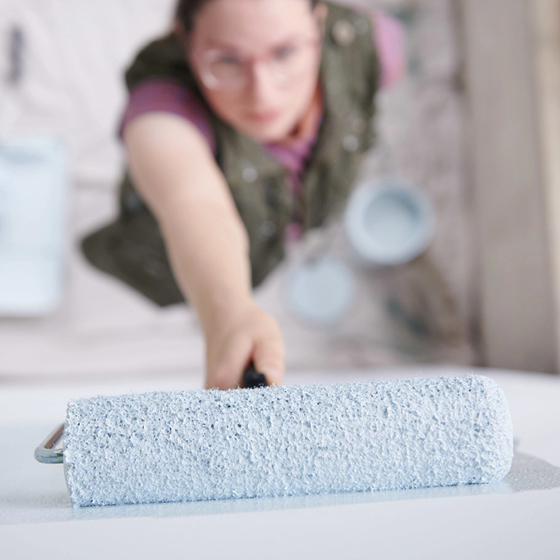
[287, 441]
[389, 224]
[392, 220]
[320, 291]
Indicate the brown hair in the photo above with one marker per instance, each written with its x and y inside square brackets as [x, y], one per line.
[187, 10]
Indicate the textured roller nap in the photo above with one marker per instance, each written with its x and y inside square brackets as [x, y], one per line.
[278, 441]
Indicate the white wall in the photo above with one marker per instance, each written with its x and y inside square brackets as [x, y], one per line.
[74, 55]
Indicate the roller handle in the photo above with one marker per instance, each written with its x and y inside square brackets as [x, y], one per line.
[252, 378]
[48, 452]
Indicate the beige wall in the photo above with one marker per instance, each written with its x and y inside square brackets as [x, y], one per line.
[511, 59]
[546, 15]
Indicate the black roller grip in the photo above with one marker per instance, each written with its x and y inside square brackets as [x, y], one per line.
[252, 378]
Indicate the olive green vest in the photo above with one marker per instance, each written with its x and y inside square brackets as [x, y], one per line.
[132, 248]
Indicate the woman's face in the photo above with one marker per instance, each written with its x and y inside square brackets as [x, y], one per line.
[257, 62]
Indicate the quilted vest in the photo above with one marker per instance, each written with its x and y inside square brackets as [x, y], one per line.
[132, 247]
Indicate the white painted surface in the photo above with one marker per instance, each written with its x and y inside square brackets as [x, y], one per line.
[515, 519]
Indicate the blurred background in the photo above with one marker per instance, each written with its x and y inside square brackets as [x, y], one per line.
[472, 127]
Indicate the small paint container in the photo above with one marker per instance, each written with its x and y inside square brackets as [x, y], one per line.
[389, 223]
[320, 291]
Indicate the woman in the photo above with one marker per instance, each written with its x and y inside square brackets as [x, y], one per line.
[259, 111]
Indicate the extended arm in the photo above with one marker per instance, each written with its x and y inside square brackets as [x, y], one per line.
[176, 175]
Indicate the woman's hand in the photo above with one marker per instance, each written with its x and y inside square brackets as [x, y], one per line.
[248, 334]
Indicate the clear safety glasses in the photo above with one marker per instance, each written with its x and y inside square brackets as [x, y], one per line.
[230, 70]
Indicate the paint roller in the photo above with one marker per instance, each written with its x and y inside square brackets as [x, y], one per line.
[284, 441]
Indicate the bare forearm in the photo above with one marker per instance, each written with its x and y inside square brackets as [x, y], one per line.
[205, 238]
[209, 256]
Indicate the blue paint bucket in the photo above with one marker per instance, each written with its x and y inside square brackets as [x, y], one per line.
[33, 237]
[320, 291]
[389, 224]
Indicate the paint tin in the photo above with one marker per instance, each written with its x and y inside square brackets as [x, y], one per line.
[320, 291]
[389, 223]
